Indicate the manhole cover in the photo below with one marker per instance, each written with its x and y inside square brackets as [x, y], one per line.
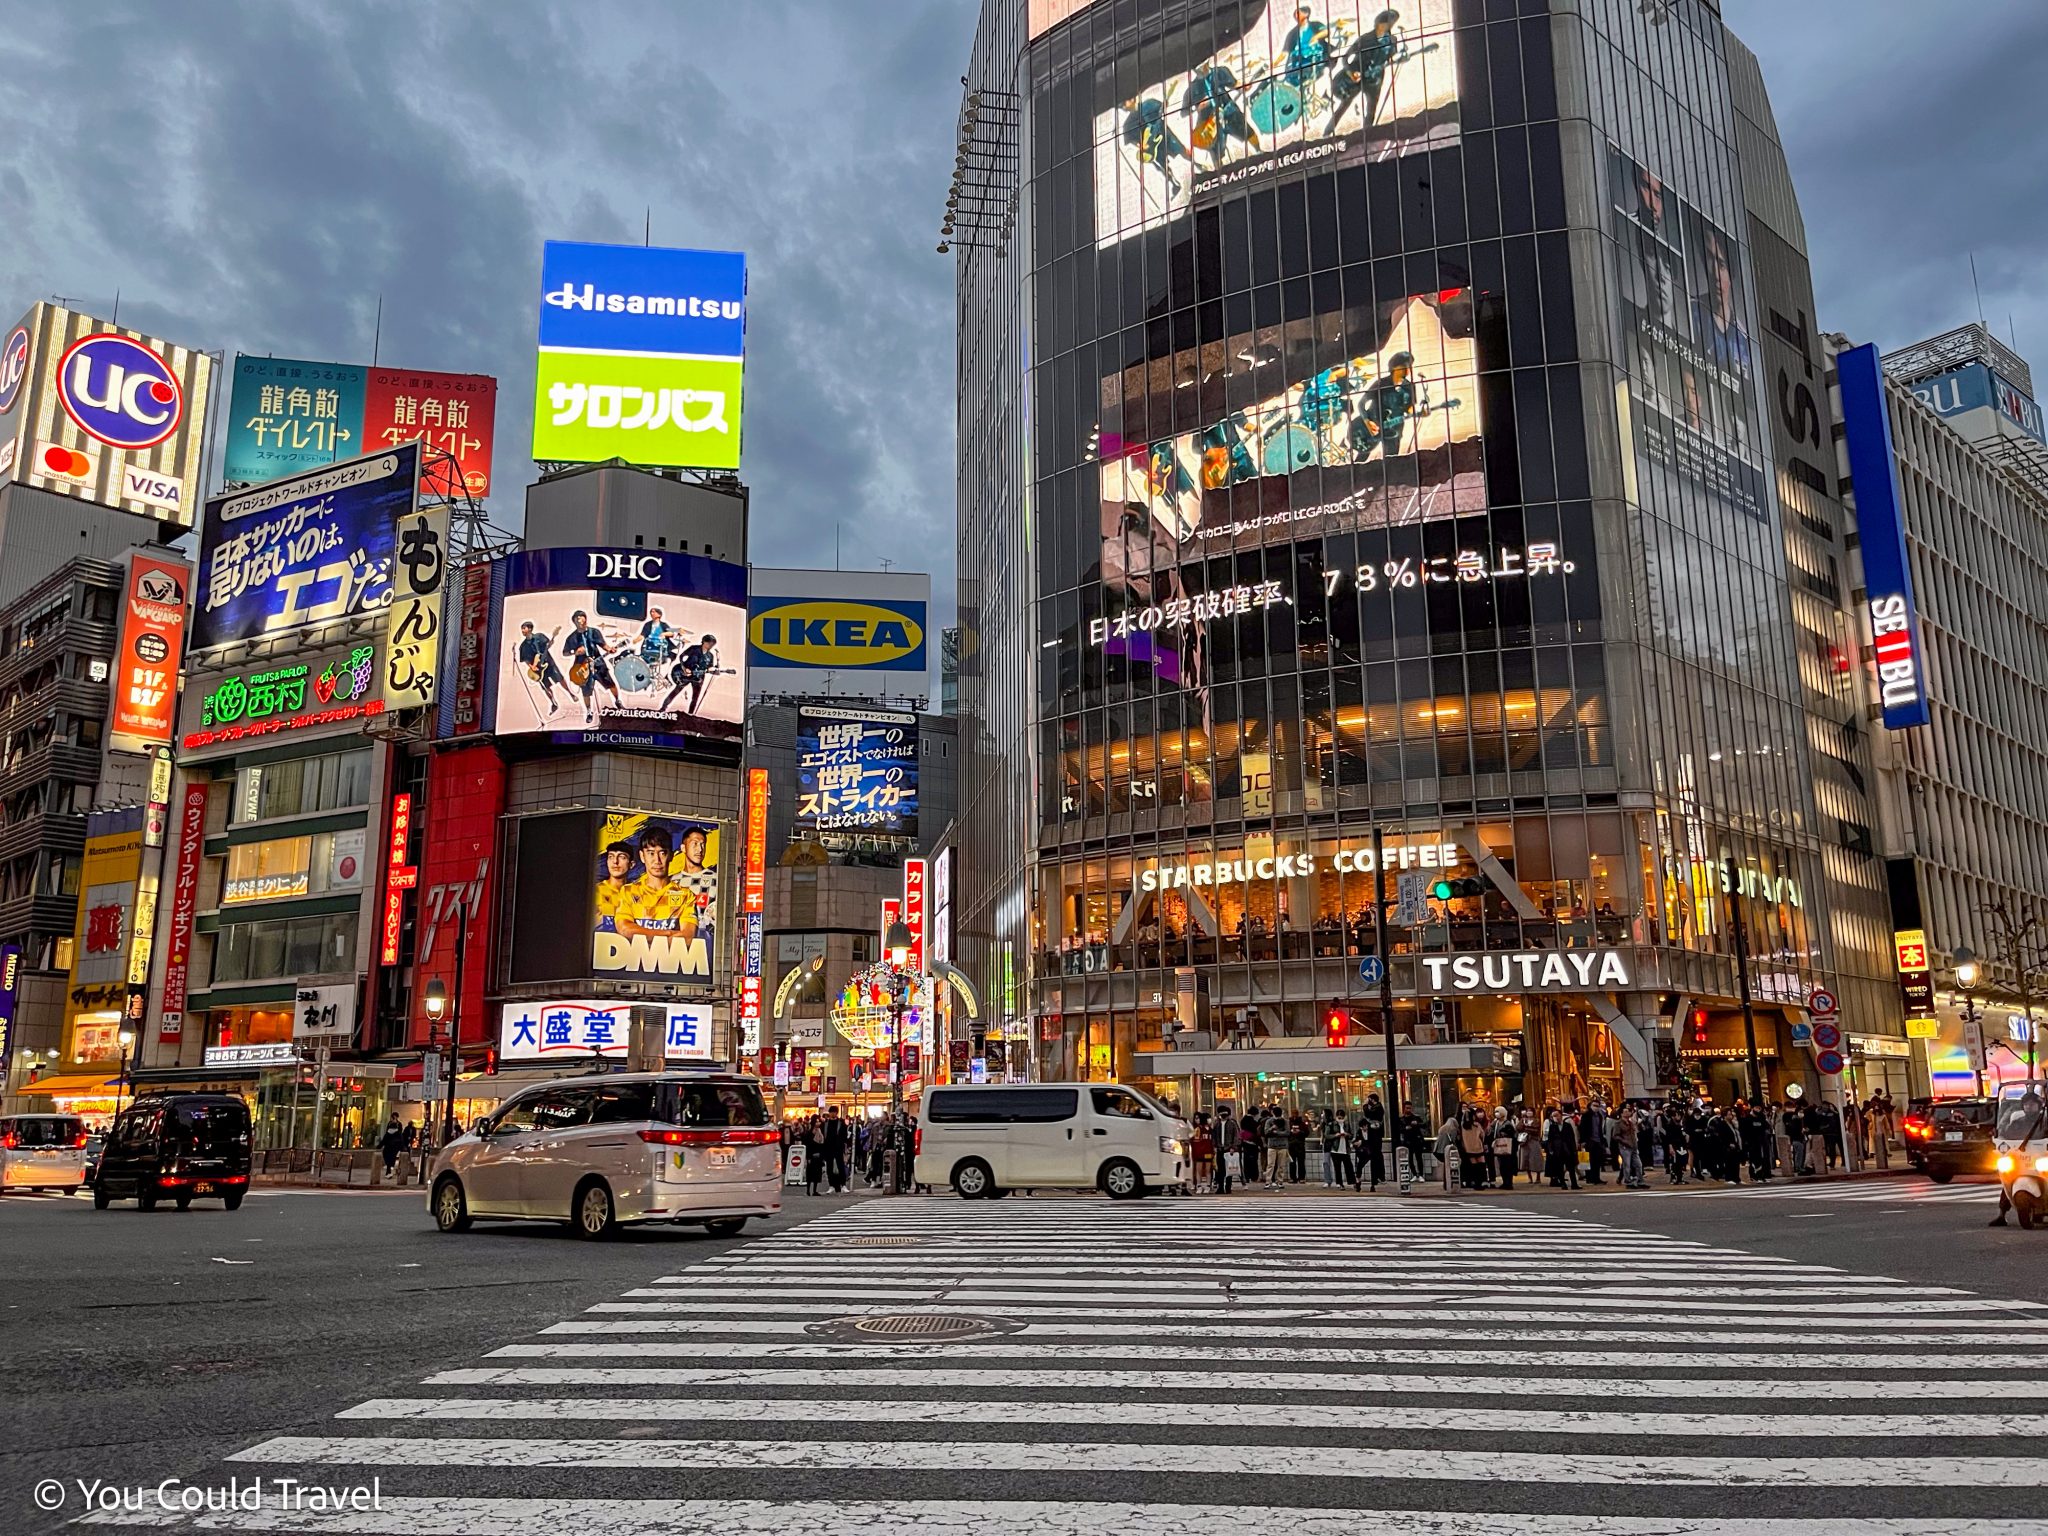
[913, 1327]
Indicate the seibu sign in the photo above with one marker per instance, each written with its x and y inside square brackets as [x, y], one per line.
[1292, 866]
[1524, 970]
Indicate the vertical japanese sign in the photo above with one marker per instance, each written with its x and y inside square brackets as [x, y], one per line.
[1881, 536]
[753, 906]
[916, 874]
[457, 879]
[147, 655]
[10, 1000]
[1916, 978]
[399, 877]
[892, 914]
[472, 638]
[413, 653]
[455, 412]
[184, 903]
[286, 416]
[942, 907]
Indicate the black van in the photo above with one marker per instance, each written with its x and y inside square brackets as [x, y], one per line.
[176, 1146]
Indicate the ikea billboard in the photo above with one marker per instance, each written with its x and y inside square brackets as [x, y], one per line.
[838, 634]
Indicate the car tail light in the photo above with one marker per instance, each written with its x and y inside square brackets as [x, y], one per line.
[712, 1136]
[80, 1142]
[9, 1141]
[917, 1141]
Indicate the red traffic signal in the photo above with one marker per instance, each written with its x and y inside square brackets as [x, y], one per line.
[1699, 1026]
[1336, 1028]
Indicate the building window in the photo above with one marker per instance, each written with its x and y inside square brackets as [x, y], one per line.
[271, 951]
[302, 786]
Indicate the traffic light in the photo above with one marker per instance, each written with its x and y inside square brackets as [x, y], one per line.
[1336, 1028]
[490, 1061]
[1450, 890]
[1699, 1026]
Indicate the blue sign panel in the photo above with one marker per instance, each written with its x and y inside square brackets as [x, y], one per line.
[1975, 387]
[636, 298]
[836, 634]
[856, 771]
[1881, 525]
[286, 417]
[307, 550]
[10, 999]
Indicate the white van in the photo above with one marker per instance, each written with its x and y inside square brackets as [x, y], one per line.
[42, 1152]
[987, 1141]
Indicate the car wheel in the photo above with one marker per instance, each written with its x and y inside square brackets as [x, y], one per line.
[1940, 1175]
[2026, 1208]
[973, 1180]
[232, 1201]
[184, 1202]
[1120, 1179]
[592, 1213]
[145, 1200]
[726, 1226]
[451, 1205]
[101, 1199]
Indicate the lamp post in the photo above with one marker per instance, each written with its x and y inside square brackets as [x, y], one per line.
[1966, 978]
[127, 1039]
[896, 946]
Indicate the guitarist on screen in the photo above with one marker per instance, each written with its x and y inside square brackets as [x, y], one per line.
[589, 670]
[536, 655]
[693, 670]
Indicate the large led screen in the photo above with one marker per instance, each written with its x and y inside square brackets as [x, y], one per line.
[1687, 331]
[1337, 82]
[1361, 418]
[620, 647]
[856, 771]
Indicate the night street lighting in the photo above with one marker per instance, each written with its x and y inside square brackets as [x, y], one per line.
[127, 1039]
[1966, 966]
[897, 942]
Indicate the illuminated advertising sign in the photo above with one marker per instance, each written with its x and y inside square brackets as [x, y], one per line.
[457, 880]
[1916, 975]
[1303, 87]
[104, 414]
[412, 647]
[860, 634]
[753, 903]
[856, 771]
[655, 898]
[604, 644]
[1881, 528]
[106, 931]
[147, 655]
[262, 701]
[641, 355]
[462, 712]
[10, 990]
[916, 877]
[184, 904]
[1519, 971]
[307, 550]
[287, 416]
[942, 907]
[400, 876]
[596, 1027]
[1044, 15]
[455, 412]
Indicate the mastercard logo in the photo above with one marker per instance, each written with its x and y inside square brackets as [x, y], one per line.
[64, 463]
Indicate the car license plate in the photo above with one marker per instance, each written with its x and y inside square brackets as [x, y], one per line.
[1951, 1135]
[723, 1157]
[202, 1188]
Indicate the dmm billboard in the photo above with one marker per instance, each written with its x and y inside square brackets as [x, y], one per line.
[641, 355]
[848, 634]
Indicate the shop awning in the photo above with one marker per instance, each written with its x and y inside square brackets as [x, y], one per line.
[75, 1085]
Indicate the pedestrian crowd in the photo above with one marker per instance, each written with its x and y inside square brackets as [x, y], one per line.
[837, 1149]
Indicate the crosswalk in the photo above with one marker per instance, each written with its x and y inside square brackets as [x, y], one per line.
[1882, 1192]
[939, 1368]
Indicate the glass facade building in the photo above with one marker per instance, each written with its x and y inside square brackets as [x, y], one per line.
[1363, 432]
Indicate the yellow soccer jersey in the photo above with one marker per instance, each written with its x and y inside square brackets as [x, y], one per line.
[660, 908]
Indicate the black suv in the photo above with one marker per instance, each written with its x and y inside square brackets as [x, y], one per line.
[1953, 1136]
[176, 1146]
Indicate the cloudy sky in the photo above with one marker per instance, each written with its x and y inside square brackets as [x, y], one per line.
[252, 175]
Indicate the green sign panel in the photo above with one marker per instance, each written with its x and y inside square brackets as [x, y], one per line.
[290, 690]
[660, 411]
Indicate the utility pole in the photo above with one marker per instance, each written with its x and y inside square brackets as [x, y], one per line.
[455, 1022]
[1730, 878]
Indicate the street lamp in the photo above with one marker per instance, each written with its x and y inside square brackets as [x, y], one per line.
[896, 943]
[127, 1039]
[1965, 960]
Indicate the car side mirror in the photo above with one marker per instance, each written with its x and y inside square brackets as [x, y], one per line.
[483, 1129]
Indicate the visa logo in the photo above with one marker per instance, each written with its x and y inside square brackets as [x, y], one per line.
[822, 632]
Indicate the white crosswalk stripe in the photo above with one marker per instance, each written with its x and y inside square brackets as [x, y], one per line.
[1152, 1368]
[1884, 1192]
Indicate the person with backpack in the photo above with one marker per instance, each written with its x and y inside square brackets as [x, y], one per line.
[1226, 1147]
[1249, 1146]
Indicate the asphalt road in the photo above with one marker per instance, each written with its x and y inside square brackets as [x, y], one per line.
[139, 1346]
[1856, 1360]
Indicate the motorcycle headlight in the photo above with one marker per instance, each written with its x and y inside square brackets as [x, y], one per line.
[2041, 1165]
[2005, 1163]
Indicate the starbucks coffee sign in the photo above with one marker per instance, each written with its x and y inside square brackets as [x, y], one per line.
[1525, 970]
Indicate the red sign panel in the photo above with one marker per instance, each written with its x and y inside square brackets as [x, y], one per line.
[458, 881]
[146, 659]
[892, 914]
[399, 876]
[184, 902]
[454, 412]
[754, 881]
[916, 874]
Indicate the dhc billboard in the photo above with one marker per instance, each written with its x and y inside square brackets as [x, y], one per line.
[1881, 525]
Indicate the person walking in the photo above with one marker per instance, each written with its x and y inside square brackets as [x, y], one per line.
[1529, 1144]
[1412, 1132]
[1297, 1148]
[812, 1138]
[1501, 1137]
[834, 1146]
[1671, 1131]
[1879, 1118]
[1338, 1150]
[1273, 1139]
[1472, 1149]
[1593, 1137]
[1204, 1150]
[1628, 1135]
[392, 1143]
[1369, 1157]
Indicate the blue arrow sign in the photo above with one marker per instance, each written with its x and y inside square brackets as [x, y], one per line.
[1370, 970]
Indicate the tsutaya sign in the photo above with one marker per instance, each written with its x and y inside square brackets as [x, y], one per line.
[1525, 970]
[1243, 867]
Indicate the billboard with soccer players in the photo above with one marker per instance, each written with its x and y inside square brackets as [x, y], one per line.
[655, 905]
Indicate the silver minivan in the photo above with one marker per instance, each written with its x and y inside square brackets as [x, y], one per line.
[42, 1152]
[606, 1150]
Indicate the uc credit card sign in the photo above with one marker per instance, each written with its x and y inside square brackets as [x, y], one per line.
[641, 355]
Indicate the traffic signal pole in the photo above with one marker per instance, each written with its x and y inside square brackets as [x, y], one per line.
[1403, 1174]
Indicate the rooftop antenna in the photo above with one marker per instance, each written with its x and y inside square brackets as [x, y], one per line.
[1975, 289]
[886, 565]
[117, 307]
[377, 336]
[835, 547]
[647, 227]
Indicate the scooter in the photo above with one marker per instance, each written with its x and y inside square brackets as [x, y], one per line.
[2022, 1141]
